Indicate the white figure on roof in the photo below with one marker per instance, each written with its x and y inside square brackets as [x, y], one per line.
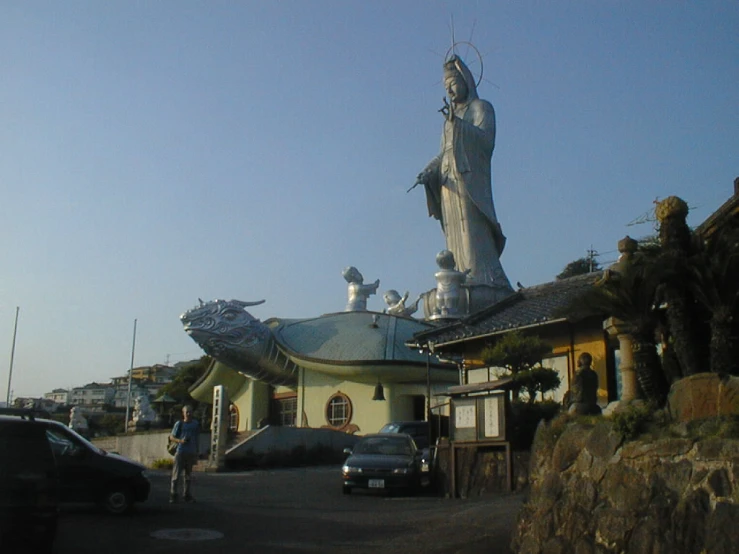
[396, 304]
[358, 292]
[449, 283]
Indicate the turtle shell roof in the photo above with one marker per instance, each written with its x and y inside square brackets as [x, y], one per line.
[350, 337]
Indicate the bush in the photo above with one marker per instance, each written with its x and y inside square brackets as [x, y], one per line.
[632, 421]
[162, 463]
[525, 419]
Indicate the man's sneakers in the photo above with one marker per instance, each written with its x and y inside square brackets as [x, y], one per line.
[173, 499]
[189, 499]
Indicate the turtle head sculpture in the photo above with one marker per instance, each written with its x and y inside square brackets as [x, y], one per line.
[227, 332]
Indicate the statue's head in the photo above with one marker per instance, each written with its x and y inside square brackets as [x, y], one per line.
[391, 297]
[445, 259]
[224, 329]
[352, 275]
[458, 80]
[584, 360]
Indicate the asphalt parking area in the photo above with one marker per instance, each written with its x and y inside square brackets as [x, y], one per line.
[291, 510]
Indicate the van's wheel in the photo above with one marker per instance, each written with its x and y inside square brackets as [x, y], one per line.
[346, 489]
[117, 500]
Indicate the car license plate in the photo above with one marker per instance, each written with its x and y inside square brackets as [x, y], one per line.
[377, 483]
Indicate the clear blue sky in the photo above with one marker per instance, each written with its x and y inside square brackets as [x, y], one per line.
[154, 153]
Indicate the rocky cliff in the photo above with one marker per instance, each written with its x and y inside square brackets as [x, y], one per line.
[593, 492]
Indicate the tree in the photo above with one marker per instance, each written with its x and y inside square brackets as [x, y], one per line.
[521, 355]
[714, 284]
[538, 380]
[581, 266]
[678, 246]
[187, 376]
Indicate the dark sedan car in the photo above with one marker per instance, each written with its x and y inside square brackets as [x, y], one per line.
[388, 461]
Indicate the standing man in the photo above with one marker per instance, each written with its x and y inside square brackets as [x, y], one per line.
[186, 434]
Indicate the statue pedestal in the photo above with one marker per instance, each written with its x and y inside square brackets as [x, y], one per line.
[134, 426]
[472, 298]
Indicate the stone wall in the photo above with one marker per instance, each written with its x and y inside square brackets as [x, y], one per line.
[591, 492]
[276, 444]
[480, 470]
[144, 448]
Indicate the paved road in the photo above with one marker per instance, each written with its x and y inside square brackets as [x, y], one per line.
[291, 511]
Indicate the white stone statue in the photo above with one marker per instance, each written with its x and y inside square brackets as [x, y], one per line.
[77, 420]
[458, 180]
[449, 283]
[142, 411]
[396, 304]
[358, 292]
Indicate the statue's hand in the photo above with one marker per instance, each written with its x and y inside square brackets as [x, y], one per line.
[447, 110]
[421, 179]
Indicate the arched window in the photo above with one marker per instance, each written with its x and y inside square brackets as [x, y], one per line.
[338, 410]
[233, 418]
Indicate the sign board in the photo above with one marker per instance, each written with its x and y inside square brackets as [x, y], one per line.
[479, 418]
[492, 416]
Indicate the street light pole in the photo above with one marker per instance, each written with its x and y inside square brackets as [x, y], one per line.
[428, 392]
[12, 356]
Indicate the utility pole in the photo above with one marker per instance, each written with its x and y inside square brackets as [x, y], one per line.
[130, 378]
[12, 356]
[591, 258]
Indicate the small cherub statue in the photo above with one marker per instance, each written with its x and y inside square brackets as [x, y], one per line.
[358, 291]
[396, 304]
[449, 283]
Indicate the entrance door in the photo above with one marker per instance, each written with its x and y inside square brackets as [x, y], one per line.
[419, 407]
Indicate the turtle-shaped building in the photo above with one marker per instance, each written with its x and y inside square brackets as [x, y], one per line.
[316, 372]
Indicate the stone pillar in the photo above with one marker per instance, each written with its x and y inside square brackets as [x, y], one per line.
[218, 429]
[617, 328]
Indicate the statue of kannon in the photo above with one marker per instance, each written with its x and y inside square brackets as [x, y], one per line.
[458, 181]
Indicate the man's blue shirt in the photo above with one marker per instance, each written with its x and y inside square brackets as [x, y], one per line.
[190, 431]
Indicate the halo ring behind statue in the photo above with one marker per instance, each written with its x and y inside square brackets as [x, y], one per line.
[453, 50]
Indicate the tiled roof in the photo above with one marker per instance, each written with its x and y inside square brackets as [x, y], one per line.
[537, 305]
[722, 216]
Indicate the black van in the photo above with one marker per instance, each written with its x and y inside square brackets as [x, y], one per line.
[29, 486]
[90, 474]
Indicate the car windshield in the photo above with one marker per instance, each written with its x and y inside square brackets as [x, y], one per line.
[387, 446]
[390, 428]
